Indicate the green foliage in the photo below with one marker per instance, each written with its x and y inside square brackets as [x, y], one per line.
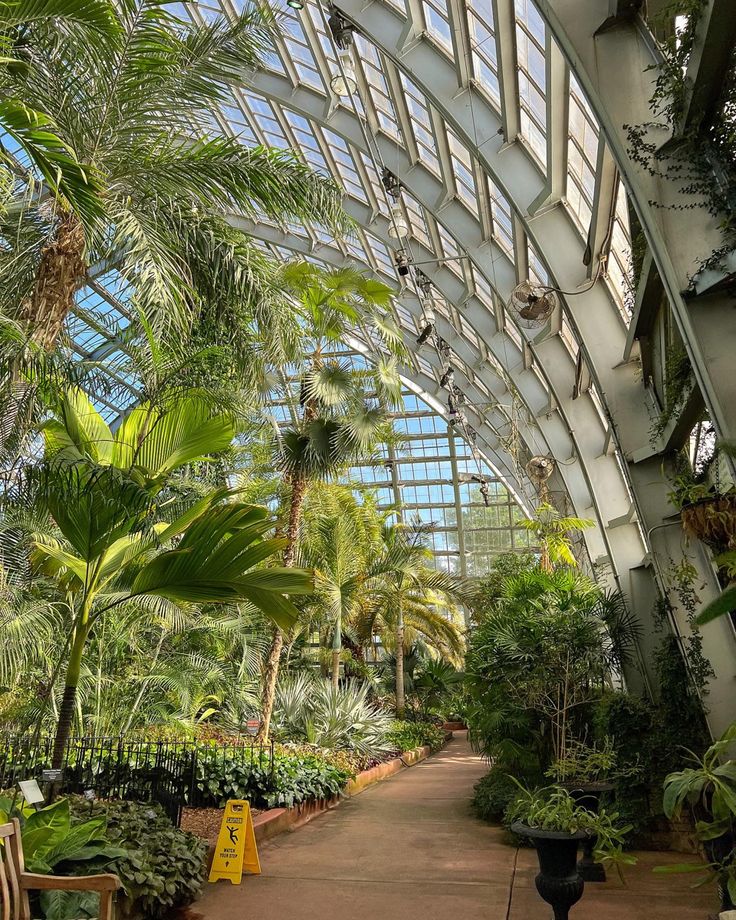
[554, 809]
[163, 867]
[405, 736]
[296, 777]
[553, 533]
[711, 782]
[315, 711]
[709, 789]
[493, 794]
[549, 637]
[584, 763]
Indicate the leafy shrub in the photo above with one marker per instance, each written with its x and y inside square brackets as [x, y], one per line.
[405, 736]
[312, 710]
[295, 778]
[163, 867]
[493, 794]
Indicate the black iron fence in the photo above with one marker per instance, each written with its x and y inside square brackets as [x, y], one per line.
[171, 773]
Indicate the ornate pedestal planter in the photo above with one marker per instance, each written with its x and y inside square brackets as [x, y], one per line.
[588, 795]
[558, 882]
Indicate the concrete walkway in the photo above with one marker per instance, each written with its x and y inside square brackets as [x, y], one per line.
[410, 848]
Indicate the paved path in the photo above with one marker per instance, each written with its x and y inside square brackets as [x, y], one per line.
[409, 848]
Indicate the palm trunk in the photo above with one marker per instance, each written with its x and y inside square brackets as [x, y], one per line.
[61, 272]
[271, 672]
[69, 699]
[400, 700]
[335, 668]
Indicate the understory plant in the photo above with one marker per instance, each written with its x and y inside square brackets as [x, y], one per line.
[554, 809]
[708, 789]
[405, 736]
[161, 867]
[585, 763]
[296, 776]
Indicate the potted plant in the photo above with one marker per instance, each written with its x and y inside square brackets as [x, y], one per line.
[586, 772]
[709, 789]
[556, 824]
[707, 508]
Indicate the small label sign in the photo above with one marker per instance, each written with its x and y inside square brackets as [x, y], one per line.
[52, 776]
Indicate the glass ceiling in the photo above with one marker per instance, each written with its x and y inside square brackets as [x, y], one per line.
[448, 197]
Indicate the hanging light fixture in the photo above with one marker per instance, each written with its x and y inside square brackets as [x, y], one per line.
[344, 83]
[295, 4]
[398, 227]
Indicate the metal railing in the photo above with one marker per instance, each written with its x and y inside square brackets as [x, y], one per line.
[170, 773]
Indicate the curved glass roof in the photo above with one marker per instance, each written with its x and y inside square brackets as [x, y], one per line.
[473, 109]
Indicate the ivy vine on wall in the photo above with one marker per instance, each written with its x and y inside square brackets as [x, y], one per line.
[702, 159]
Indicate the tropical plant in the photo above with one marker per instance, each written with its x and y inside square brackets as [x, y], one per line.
[536, 660]
[295, 776]
[553, 534]
[335, 423]
[337, 546]
[437, 684]
[163, 184]
[406, 736]
[584, 763]
[320, 713]
[161, 867]
[51, 838]
[709, 789]
[711, 784]
[554, 809]
[103, 492]
[410, 597]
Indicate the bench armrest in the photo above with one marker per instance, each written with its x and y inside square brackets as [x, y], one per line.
[31, 881]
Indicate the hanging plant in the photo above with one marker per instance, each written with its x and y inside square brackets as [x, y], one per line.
[707, 509]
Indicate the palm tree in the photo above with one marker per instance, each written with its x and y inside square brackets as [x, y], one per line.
[104, 494]
[135, 104]
[408, 592]
[553, 533]
[335, 424]
[338, 548]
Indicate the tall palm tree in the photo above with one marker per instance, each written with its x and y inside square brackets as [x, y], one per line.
[104, 494]
[408, 591]
[335, 422]
[338, 547]
[135, 104]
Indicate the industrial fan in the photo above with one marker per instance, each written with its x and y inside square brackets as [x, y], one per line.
[539, 470]
[532, 304]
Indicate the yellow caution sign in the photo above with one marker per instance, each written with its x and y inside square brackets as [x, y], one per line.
[236, 844]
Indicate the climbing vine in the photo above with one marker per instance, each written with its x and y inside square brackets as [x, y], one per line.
[681, 590]
[703, 159]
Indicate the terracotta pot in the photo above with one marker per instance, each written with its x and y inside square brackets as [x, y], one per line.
[558, 882]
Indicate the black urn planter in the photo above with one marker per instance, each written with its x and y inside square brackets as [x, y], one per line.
[588, 796]
[558, 882]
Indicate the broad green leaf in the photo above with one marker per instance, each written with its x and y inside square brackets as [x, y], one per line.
[157, 440]
[720, 606]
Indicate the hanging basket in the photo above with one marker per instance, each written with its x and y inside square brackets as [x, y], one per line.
[712, 520]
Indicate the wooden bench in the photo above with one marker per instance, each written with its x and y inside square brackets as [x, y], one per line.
[15, 882]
